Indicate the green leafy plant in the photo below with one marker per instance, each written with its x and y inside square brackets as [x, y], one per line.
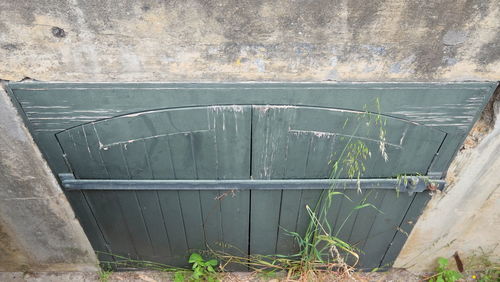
[203, 270]
[104, 275]
[444, 273]
[320, 253]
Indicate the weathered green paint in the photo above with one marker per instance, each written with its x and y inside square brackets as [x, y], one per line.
[383, 228]
[52, 107]
[404, 229]
[323, 133]
[243, 132]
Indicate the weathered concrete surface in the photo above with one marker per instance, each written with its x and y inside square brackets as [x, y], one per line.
[224, 40]
[152, 276]
[466, 217]
[38, 230]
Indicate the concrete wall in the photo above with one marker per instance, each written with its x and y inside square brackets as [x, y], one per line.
[38, 230]
[263, 40]
[192, 40]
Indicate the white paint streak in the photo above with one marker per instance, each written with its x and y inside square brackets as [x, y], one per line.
[71, 117]
[44, 107]
[265, 108]
[149, 137]
[403, 136]
[134, 115]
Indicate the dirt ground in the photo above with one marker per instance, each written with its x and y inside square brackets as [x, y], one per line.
[151, 276]
[395, 275]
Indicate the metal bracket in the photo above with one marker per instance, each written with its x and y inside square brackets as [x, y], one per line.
[413, 185]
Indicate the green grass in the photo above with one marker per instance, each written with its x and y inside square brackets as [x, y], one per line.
[320, 249]
[481, 268]
[104, 275]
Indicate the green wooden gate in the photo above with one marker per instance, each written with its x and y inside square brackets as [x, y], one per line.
[154, 171]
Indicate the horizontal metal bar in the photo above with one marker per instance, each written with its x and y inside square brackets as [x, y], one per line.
[414, 184]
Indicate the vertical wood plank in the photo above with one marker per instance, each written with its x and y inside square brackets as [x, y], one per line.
[235, 209]
[106, 206]
[297, 151]
[332, 213]
[78, 155]
[115, 159]
[158, 151]
[365, 216]
[80, 200]
[134, 220]
[193, 220]
[232, 128]
[414, 212]
[269, 159]
[155, 225]
[205, 154]
[107, 212]
[182, 156]
[297, 155]
[290, 204]
[212, 218]
[320, 155]
[420, 146]
[309, 198]
[90, 226]
[384, 228]
[139, 166]
[269, 141]
[346, 215]
[364, 219]
[264, 221]
[173, 218]
[93, 147]
[185, 167]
